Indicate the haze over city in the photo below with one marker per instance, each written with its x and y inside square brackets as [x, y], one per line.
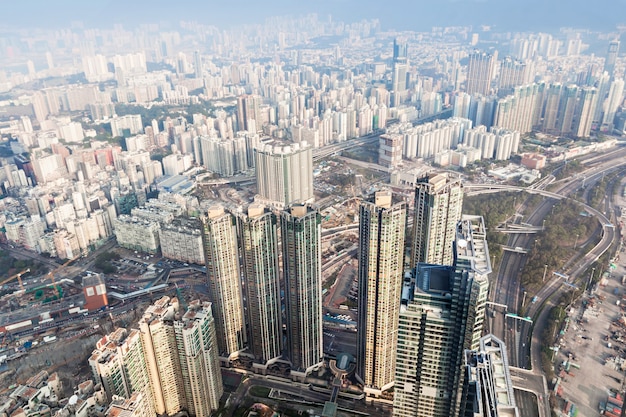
[420, 15]
[332, 208]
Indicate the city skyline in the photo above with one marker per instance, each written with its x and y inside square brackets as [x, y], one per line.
[303, 176]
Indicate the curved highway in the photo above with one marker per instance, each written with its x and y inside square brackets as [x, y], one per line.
[507, 287]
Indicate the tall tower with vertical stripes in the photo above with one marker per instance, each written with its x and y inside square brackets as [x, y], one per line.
[219, 236]
[438, 205]
[302, 272]
[441, 315]
[259, 253]
[381, 266]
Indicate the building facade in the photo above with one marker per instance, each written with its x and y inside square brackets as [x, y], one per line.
[438, 205]
[381, 267]
[302, 272]
[182, 241]
[441, 315]
[219, 236]
[284, 174]
[259, 253]
[136, 233]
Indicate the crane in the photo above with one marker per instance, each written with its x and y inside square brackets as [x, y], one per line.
[51, 275]
[4, 338]
[19, 278]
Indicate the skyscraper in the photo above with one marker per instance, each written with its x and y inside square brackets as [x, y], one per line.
[198, 356]
[441, 315]
[249, 113]
[438, 204]
[611, 57]
[197, 64]
[518, 111]
[567, 109]
[400, 49]
[172, 360]
[551, 108]
[259, 253]
[514, 73]
[302, 271]
[487, 386]
[219, 237]
[159, 341]
[480, 72]
[399, 71]
[616, 97]
[603, 86]
[381, 267]
[585, 110]
[284, 174]
[119, 363]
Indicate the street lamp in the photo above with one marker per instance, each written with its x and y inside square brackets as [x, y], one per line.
[545, 269]
[576, 241]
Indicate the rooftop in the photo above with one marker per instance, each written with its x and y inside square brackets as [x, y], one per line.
[471, 243]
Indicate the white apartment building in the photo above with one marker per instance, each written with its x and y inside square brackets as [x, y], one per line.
[137, 234]
[126, 125]
[284, 174]
[182, 241]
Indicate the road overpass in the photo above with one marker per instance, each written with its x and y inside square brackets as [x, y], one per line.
[519, 335]
[519, 228]
[516, 249]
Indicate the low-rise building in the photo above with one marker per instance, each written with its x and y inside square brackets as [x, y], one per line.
[533, 160]
[137, 234]
[182, 241]
[95, 292]
[135, 406]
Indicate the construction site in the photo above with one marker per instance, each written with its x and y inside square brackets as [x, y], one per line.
[51, 321]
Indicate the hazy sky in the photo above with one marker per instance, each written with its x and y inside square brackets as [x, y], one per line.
[393, 14]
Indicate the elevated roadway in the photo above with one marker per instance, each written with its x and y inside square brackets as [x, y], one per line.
[523, 352]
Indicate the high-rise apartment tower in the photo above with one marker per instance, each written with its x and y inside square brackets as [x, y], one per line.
[480, 72]
[284, 174]
[399, 71]
[611, 57]
[219, 236]
[441, 316]
[438, 205]
[171, 360]
[259, 254]
[381, 260]
[302, 271]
